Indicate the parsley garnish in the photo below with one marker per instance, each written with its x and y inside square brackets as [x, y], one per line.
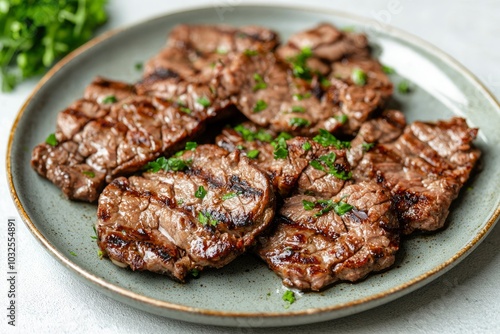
[342, 208]
[327, 205]
[100, 253]
[404, 87]
[367, 146]
[206, 218]
[191, 146]
[300, 97]
[249, 135]
[52, 140]
[73, 253]
[308, 205]
[359, 77]
[326, 139]
[138, 66]
[95, 233]
[341, 118]
[333, 169]
[280, 148]
[259, 106]
[194, 272]
[388, 69]
[240, 147]
[200, 192]
[228, 196]
[109, 99]
[253, 154]
[298, 109]
[289, 297]
[221, 51]
[306, 146]
[299, 122]
[299, 64]
[250, 53]
[185, 110]
[204, 101]
[259, 82]
[174, 164]
[325, 83]
[88, 173]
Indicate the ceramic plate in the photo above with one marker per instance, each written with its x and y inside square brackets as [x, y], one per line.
[246, 292]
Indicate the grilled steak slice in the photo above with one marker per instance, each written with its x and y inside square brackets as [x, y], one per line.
[318, 241]
[205, 215]
[288, 162]
[103, 138]
[424, 169]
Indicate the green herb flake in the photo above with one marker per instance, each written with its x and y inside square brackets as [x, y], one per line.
[388, 69]
[259, 82]
[342, 208]
[298, 109]
[138, 66]
[342, 119]
[240, 147]
[228, 196]
[299, 64]
[306, 146]
[326, 139]
[194, 273]
[109, 99]
[88, 173]
[367, 146]
[308, 205]
[73, 253]
[174, 164]
[95, 233]
[259, 106]
[52, 140]
[180, 201]
[185, 110]
[100, 254]
[253, 154]
[200, 192]
[221, 51]
[359, 77]
[191, 146]
[206, 219]
[348, 29]
[204, 101]
[325, 83]
[280, 148]
[299, 122]
[404, 87]
[300, 97]
[249, 135]
[250, 53]
[332, 168]
[289, 297]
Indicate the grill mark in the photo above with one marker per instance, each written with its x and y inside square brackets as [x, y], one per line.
[241, 186]
[158, 75]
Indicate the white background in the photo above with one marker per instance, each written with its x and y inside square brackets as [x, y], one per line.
[465, 300]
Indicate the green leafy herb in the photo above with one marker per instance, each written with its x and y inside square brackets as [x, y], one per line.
[109, 99]
[73, 253]
[388, 69]
[404, 87]
[52, 140]
[342, 118]
[100, 254]
[174, 164]
[194, 273]
[191, 146]
[249, 135]
[299, 64]
[200, 192]
[250, 53]
[34, 34]
[206, 219]
[289, 297]
[325, 82]
[228, 196]
[306, 146]
[298, 109]
[95, 233]
[367, 146]
[308, 205]
[221, 51]
[325, 138]
[205, 102]
[259, 82]
[181, 103]
[299, 122]
[284, 135]
[333, 169]
[138, 66]
[300, 97]
[280, 148]
[259, 106]
[185, 110]
[359, 77]
[342, 208]
[180, 201]
[326, 206]
[88, 173]
[253, 154]
[240, 147]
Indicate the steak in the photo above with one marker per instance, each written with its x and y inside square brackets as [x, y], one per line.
[113, 132]
[203, 212]
[424, 169]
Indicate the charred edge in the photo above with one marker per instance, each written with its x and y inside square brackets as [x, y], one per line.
[403, 201]
[124, 185]
[241, 186]
[159, 75]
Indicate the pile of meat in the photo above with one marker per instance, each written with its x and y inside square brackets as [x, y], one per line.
[319, 179]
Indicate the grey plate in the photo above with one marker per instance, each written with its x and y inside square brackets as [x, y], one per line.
[246, 293]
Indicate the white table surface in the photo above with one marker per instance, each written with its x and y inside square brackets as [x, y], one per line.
[464, 300]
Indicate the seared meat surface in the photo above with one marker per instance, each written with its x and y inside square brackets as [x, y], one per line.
[174, 221]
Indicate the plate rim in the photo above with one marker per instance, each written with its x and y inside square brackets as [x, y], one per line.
[357, 305]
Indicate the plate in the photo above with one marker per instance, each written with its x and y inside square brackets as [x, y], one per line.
[246, 293]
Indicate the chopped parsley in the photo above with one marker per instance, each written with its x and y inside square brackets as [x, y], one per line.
[221, 51]
[280, 148]
[73, 253]
[326, 139]
[298, 109]
[333, 169]
[191, 146]
[95, 233]
[259, 82]
[250, 53]
[259, 106]
[174, 164]
[185, 110]
[300, 97]
[326, 206]
[109, 99]
[359, 77]
[180, 201]
[204, 101]
[308, 205]
[299, 122]
[342, 208]
[206, 219]
[253, 154]
[229, 196]
[240, 147]
[88, 173]
[299, 64]
[289, 297]
[249, 135]
[342, 119]
[388, 69]
[306, 146]
[100, 254]
[194, 273]
[138, 66]
[404, 87]
[367, 146]
[200, 192]
[52, 140]
[325, 82]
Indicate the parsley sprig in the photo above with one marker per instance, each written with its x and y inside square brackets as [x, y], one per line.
[326, 139]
